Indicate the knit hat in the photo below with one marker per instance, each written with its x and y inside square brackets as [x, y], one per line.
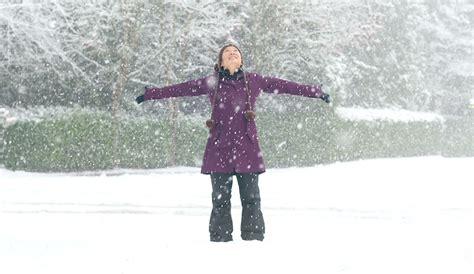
[221, 52]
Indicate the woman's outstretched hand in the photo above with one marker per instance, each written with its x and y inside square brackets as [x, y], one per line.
[326, 98]
[140, 99]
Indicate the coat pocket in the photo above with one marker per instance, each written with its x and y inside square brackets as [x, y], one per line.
[214, 134]
[218, 139]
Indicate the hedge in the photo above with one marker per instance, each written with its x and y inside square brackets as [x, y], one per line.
[78, 142]
[2, 144]
[458, 140]
[84, 140]
[302, 138]
[325, 138]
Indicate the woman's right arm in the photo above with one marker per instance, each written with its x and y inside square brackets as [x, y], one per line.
[190, 88]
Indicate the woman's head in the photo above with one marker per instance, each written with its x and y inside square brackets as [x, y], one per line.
[230, 57]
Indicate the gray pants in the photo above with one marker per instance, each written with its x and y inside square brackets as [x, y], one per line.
[220, 224]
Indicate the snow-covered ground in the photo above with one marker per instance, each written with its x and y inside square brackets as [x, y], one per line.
[407, 215]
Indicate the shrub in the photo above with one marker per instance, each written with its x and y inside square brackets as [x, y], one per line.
[191, 138]
[300, 138]
[307, 138]
[143, 142]
[92, 140]
[2, 143]
[77, 142]
[381, 139]
[458, 138]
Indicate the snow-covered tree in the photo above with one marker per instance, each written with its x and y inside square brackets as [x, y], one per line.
[33, 65]
[101, 53]
[448, 52]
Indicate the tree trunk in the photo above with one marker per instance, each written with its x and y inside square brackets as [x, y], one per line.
[125, 50]
[173, 103]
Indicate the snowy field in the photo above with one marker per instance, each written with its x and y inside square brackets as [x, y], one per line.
[407, 215]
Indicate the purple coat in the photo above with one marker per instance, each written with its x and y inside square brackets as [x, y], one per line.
[232, 144]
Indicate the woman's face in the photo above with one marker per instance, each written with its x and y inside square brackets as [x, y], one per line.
[231, 58]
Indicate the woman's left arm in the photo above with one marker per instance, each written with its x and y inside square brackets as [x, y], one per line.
[275, 85]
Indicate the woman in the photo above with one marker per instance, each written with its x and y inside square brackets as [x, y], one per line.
[232, 145]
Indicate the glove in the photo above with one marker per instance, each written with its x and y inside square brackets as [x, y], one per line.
[140, 99]
[326, 98]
